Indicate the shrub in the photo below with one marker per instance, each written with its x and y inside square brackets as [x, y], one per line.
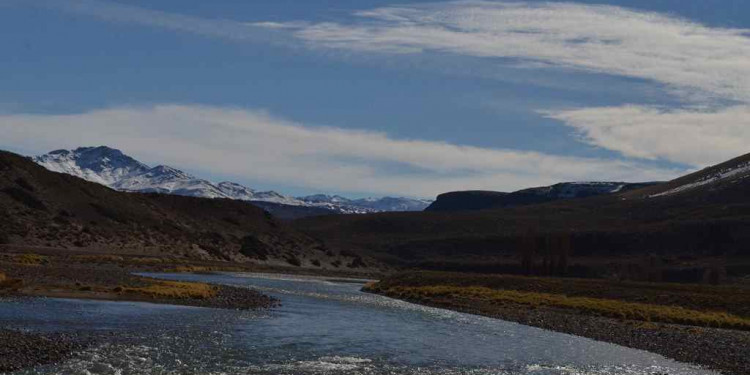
[107, 212]
[315, 263]
[293, 260]
[24, 184]
[25, 198]
[356, 263]
[252, 247]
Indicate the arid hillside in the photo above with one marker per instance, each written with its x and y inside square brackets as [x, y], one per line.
[47, 209]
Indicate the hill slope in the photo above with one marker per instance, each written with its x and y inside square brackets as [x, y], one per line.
[482, 200]
[602, 235]
[43, 208]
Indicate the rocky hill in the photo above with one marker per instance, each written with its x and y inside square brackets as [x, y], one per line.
[56, 210]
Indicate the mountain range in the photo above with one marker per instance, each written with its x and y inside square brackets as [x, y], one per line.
[113, 168]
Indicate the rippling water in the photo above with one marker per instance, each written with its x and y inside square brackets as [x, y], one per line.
[323, 327]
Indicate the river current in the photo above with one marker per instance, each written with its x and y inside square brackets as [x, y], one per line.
[323, 327]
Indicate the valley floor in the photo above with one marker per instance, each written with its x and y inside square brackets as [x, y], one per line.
[708, 326]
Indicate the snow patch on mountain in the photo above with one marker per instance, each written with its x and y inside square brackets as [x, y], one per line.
[110, 167]
[739, 171]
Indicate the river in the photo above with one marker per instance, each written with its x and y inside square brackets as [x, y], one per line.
[322, 327]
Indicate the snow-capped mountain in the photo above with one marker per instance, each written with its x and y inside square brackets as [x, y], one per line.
[112, 168]
[365, 205]
[97, 164]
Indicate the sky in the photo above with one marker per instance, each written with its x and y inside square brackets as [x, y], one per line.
[381, 97]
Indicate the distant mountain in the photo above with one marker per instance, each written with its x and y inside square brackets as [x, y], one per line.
[479, 200]
[695, 228]
[111, 167]
[366, 205]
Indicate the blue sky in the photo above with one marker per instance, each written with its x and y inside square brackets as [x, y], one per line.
[383, 97]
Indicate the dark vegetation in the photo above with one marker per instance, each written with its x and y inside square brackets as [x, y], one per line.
[701, 235]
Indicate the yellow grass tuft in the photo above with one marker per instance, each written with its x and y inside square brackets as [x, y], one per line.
[2, 277]
[604, 307]
[97, 258]
[189, 268]
[175, 289]
[31, 259]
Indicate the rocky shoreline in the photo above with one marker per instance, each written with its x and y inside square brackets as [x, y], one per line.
[723, 350]
[20, 350]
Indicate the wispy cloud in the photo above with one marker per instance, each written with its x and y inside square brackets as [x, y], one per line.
[706, 67]
[696, 137]
[117, 12]
[595, 38]
[703, 65]
[256, 145]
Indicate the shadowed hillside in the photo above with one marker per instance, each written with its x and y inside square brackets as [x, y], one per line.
[48, 209]
[482, 200]
[699, 233]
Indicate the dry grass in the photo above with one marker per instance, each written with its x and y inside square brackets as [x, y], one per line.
[99, 258]
[8, 283]
[175, 289]
[31, 259]
[595, 306]
[188, 269]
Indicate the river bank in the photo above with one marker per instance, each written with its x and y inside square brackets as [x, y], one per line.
[721, 349]
[49, 272]
[23, 349]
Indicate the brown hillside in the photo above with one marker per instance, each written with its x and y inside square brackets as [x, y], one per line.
[43, 208]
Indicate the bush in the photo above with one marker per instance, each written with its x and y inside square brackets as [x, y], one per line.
[293, 260]
[357, 263]
[252, 247]
[24, 184]
[25, 198]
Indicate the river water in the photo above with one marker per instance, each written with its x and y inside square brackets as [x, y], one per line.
[323, 327]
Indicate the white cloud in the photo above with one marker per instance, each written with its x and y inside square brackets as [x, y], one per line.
[704, 66]
[696, 137]
[255, 145]
[700, 64]
[217, 28]
[595, 38]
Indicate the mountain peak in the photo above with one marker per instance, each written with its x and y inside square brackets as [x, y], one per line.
[113, 168]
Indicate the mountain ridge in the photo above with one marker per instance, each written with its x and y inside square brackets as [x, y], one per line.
[113, 168]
